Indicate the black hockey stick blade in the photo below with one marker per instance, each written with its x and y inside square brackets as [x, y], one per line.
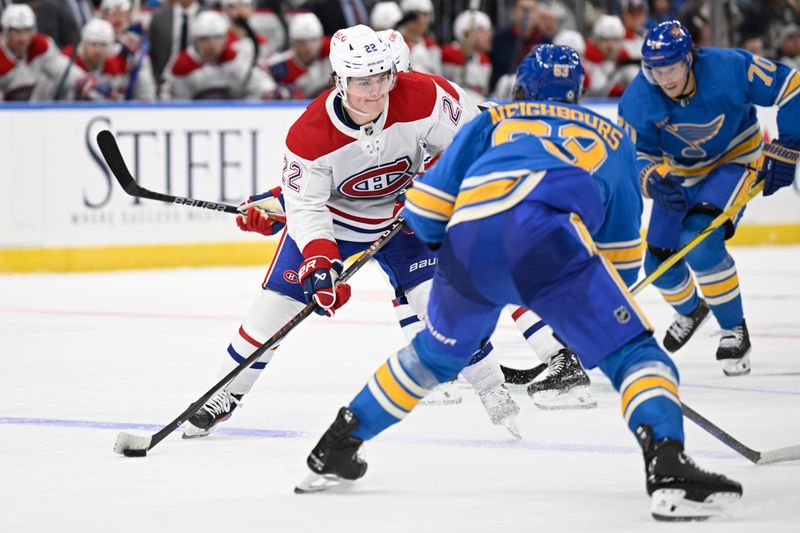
[115, 161]
[137, 446]
[520, 376]
[727, 439]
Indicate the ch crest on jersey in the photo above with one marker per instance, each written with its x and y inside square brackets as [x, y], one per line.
[696, 134]
[380, 180]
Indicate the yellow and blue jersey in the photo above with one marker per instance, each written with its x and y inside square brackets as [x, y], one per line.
[501, 157]
[717, 123]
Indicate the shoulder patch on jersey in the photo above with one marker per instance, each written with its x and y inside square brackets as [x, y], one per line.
[39, 45]
[184, 64]
[452, 54]
[412, 99]
[6, 64]
[313, 135]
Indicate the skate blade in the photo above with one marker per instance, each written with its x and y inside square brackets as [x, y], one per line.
[737, 367]
[314, 482]
[670, 505]
[579, 397]
[510, 424]
[131, 443]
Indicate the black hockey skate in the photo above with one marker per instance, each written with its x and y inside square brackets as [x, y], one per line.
[684, 326]
[334, 461]
[217, 409]
[734, 351]
[566, 385]
[679, 489]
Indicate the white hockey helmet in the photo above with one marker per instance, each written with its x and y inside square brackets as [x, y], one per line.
[18, 16]
[571, 38]
[468, 20]
[385, 16]
[358, 52]
[608, 27]
[209, 24]
[401, 55]
[426, 6]
[305, 26]
[97, 31]
[122, 5]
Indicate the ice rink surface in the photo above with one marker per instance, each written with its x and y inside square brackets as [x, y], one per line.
[83, 356]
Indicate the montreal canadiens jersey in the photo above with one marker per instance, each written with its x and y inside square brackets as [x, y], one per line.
[717, 124]
[342, 182]
[498, 160]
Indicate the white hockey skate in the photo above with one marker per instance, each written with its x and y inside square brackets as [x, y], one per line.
[501, 408]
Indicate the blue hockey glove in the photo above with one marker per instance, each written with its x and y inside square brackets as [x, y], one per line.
[664, 188]
[778, 167]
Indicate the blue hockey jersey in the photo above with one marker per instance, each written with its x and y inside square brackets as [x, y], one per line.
[501, 157]
[717, 123]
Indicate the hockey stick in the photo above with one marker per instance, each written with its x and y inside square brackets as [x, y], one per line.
[516, 375]
[136, 445]
[114, 160]
[789, 453]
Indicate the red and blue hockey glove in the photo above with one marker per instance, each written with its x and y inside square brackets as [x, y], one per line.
[262, 213]
[664, 187]
[318, 274]
[778, 167]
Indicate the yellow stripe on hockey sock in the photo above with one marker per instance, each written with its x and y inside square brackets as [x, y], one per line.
[643, 397]
[393, 389]
[680, 297]
[716, 289]
[649, 382]
[623, 255]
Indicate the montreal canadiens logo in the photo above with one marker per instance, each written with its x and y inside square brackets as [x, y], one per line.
[291, 276]
[377, 181]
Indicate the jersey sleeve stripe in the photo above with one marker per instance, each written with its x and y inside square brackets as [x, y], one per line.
[790, 89]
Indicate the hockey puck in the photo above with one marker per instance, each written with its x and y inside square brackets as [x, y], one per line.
[134, 453]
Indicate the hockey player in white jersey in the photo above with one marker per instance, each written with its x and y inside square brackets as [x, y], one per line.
[371, 134]
[31, 65]
[212, 69]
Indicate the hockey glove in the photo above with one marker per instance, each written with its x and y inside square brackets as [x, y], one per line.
[318, 274]
[664, 188]
[262, 213]
[778, 167]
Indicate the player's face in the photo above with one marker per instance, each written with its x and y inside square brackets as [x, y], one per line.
[210, 48]
[118, 18]
[368, 93]
[672, 78]
[307, 49]
[95, 53]
[18, 40]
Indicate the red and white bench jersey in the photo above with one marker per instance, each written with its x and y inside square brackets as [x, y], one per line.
[37, 75]
[188, 78]
[112, 77]
[341, 182]
[473, 73]
[426, 56]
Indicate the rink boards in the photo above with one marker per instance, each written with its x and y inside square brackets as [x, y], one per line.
[61, 210]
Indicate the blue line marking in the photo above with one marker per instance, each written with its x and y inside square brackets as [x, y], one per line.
[289, 434]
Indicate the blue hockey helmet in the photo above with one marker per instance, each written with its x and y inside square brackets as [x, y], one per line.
[550, 72]
[666, 44]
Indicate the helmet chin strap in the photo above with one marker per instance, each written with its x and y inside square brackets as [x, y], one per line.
[353, 109]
